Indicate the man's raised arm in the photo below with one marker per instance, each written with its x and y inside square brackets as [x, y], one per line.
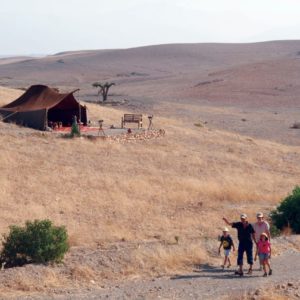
[227, 222]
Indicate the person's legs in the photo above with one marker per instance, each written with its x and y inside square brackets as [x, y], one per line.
[264, 267]
[261, 263]
[229, 262]
[269, 266]
[249, 253]
[259, 260]
[226, 254]
[225, 260]
[241, 250]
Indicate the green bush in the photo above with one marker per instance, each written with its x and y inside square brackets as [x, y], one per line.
[37, 242]
[75, 130]
[287, 214]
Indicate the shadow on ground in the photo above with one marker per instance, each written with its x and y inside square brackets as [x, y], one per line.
[208, 271]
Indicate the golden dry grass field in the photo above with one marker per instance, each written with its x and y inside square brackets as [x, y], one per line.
[129, 201]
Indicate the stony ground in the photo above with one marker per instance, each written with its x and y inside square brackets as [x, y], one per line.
[202, 282]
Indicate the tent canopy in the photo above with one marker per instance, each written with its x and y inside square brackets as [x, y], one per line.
[40, 105]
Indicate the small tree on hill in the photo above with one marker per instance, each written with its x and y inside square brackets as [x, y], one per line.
[37, 242]
[287, 214]
[103, 89]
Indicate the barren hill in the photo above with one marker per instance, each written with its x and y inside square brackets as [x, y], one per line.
[161, 60]
[217, 83]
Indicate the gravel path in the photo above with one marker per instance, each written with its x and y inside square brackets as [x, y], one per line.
[206, 282]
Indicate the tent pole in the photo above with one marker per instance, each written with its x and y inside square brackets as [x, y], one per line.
[46, 120]
[9, 115]
[79, 112]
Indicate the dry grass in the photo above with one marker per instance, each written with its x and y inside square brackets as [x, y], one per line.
[180, 185]
[82, 273]
[163, 259]
[31, 279]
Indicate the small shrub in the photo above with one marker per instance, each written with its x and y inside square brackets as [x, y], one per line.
[199, 124]
[75, 131]
[296, 125]
[37, 242]
[287, 214]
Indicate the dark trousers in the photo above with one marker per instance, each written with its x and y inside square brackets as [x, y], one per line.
[245, 246]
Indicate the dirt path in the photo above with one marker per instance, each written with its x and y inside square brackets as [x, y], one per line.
[204, 283]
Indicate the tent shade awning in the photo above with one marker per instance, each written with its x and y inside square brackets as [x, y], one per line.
[40, 105]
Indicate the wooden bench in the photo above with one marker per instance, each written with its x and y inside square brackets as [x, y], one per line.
[132, 118]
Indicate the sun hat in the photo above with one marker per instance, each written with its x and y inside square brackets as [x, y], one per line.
[243, 216]
[264, 234]
[225, 229]
[259, 215]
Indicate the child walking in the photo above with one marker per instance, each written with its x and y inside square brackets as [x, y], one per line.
[227, 243]
[264, 253]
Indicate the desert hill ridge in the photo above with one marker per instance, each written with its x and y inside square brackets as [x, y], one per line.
[157, 60]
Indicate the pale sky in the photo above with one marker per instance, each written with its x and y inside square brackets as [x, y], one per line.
[51, 26]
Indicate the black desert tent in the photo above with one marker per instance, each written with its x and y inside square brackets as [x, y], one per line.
[40, 105]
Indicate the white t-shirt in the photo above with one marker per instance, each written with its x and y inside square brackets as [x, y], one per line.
[260, 228]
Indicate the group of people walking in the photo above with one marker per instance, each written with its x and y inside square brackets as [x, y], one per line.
[257, 234]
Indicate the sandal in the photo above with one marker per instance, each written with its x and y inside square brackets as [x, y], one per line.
[270, 272]
[249, 272]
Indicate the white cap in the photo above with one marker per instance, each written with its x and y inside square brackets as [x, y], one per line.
[225, 229]
[259, 215]
[243, 216]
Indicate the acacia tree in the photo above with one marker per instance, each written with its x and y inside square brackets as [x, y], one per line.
[103, 88]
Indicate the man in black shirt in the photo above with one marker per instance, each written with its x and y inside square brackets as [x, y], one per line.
[245, 237]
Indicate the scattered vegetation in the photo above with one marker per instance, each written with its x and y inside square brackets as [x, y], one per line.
[199, 124]
[37, 242]
[75, 130]
[296, 125]
[287, 214]
[103, 89]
